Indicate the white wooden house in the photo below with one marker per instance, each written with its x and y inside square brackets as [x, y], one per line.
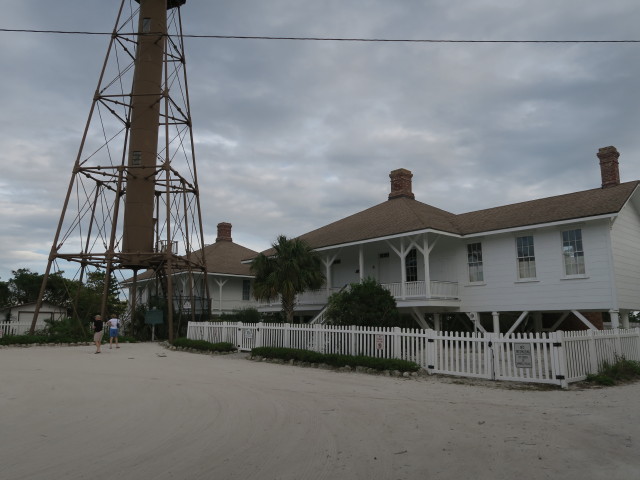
[17, 320]
[229, 281]
[567, 261]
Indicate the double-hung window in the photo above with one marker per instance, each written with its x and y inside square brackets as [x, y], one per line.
[573, 252]
[246, 289]
[526, 258]
[474, 260]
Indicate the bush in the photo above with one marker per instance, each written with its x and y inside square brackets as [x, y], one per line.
[335, 360]
[24, 339]
[363, 304]
[621, 371]
[203, 345]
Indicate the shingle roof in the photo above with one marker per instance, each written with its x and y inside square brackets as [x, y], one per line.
[398, 215]
[222, 258]
[404, 215]
[588, 203]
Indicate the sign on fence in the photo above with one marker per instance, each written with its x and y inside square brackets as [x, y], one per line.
[522, 354]
[379, 342]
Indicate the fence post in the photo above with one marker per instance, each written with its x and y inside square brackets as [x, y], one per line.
[618, 343]
[560, 358]
[593, 353]
[239, 336]
[397, 349]
[489, 354]
[286, 335]
[259, 333]
[318, 337]
[431, 351]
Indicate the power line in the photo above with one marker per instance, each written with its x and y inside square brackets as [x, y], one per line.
[323, 39]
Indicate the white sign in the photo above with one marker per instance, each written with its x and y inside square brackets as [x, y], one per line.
[379, 342]
[522, 355]
[248, 333]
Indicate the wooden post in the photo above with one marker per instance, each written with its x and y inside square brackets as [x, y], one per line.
[496, 322]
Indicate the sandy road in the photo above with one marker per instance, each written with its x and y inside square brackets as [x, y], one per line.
[144, 412]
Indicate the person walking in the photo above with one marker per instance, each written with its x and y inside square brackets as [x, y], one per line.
[97, 332]
[113, 323]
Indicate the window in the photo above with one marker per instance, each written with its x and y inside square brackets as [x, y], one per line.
[572, 252]
[474, 259]
[526, 257]
[411, 264]
[136, 158]
[146, 25]
[246, 289]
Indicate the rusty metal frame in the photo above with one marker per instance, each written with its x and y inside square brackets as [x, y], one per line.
[90, 230]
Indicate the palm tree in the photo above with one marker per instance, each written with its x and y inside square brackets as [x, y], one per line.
[293, 268]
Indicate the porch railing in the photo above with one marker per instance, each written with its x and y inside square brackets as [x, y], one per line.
[439, 290]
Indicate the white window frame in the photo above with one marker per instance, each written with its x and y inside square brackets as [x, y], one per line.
[573, 258]
[525, 257]
[475, 263]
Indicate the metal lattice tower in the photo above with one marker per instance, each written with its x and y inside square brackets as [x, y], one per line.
[133, 202]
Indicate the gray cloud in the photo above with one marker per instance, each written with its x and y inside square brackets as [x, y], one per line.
[293, 135]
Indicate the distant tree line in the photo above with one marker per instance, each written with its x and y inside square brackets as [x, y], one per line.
[81, 299]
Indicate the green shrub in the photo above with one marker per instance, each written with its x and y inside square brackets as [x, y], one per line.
[203, 345]
[622, 370]
[364, 304]
[335, 360]
[24, 339]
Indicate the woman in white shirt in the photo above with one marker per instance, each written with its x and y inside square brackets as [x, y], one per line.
[113, 323]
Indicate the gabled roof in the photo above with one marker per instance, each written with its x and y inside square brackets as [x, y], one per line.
[404, 215]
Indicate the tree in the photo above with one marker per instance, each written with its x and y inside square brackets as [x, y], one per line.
[292, 269]
[365, 303]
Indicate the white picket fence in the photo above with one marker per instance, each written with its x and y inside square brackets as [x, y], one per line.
[556, 358]
[14, 328]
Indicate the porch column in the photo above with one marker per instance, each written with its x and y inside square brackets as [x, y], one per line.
[427, 273]
[615, 318]
[361, 262]
[537, 321]
[496, 321]
[436, 322]
[624, 317]
[403, 270]
[220, 285]
[327, 268]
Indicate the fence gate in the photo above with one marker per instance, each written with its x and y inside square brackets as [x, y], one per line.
[247, 336]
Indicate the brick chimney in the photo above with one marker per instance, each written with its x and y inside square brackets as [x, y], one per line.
[609, 166]
[401, 184]
[224, 232]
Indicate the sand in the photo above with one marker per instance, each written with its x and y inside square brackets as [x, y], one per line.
[145, 412]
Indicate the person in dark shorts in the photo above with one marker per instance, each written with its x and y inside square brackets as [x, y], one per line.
[97, 332]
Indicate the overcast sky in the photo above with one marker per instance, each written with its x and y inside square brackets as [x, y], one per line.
[293, 135]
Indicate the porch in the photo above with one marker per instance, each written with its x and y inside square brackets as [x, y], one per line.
[316, 299]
